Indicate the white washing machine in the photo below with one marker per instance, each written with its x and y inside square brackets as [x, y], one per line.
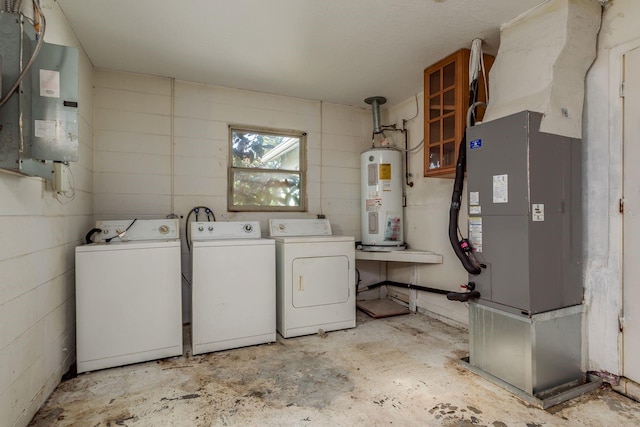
[315, 277]
[233, 286]
[128, 294]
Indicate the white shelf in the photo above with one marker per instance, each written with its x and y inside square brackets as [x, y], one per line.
[408, 255]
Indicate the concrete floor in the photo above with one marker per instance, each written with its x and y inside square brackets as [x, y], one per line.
[396, 371]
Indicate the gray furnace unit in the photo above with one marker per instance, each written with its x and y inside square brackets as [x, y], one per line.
[524, 201]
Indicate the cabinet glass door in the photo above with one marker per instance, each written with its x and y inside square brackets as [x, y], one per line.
[441, 119]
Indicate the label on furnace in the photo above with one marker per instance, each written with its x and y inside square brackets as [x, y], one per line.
[475, 233]
[501, 189]
[537, 212]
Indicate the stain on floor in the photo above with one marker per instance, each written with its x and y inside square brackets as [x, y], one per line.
[391, 371]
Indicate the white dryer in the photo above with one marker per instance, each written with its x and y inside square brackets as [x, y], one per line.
[128, 296]
[315, 277]
[233, 286]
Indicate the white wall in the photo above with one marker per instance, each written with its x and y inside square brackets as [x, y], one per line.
[603, 188]
[38, 235]
[427, 222]
[162, 147]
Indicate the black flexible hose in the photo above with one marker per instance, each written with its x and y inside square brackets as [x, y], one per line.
[89, 235]
[463, 296]
[196, 210]
[405, 285]
[122, 234]
[456, 197]
[454, 210]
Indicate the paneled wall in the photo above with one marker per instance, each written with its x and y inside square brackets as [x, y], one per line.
[426, 225]
[161, 147]
[38, 234]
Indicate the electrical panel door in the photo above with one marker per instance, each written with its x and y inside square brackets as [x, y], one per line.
[39, 121]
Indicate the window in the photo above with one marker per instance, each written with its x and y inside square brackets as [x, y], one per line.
[266, 170]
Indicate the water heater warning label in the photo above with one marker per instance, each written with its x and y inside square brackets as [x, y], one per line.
[392, 230]
[385, 170]
[373, 205]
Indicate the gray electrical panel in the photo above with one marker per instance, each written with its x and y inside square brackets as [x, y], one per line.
[54, 104]
[39, 123]
[15, 44]
[525, 225]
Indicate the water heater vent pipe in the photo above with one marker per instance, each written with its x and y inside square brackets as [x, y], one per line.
[376, 102]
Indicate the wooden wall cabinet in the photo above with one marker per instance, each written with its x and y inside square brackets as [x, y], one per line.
[446, 99]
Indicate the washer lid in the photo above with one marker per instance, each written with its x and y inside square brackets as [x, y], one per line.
[299, 227]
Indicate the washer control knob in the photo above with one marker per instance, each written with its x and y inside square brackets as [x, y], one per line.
[163, 229]
[248, 228]
[211, 228]
[200, 228]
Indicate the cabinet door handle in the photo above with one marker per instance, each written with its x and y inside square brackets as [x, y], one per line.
[300, 284]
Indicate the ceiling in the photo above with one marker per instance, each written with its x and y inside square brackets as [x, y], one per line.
[339, 51]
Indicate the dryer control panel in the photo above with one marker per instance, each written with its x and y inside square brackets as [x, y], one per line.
[219, 230]
[299, 227]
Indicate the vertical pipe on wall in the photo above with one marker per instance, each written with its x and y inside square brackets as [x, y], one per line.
[321, 161]
[172, 142]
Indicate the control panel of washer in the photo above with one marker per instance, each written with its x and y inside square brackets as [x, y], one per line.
[299, 227]
[138, 229]
[219, 230]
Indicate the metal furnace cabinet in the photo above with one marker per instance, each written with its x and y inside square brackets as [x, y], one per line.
[524, 189]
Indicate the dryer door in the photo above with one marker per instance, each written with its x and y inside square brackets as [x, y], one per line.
[320, 281]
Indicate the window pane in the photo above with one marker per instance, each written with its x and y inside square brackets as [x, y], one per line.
[434, 132]
[449, 100]
[449, 75]
[265, 151]
[434, 157]
[448, 154]
[449, 127]
[434, 82]
[261, 188]
[435, 104]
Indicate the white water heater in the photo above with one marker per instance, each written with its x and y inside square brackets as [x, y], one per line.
[381, 199]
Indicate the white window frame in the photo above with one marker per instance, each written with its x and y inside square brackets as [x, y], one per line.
[302, 172]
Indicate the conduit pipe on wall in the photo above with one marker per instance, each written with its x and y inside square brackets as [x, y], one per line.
[41, 23]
